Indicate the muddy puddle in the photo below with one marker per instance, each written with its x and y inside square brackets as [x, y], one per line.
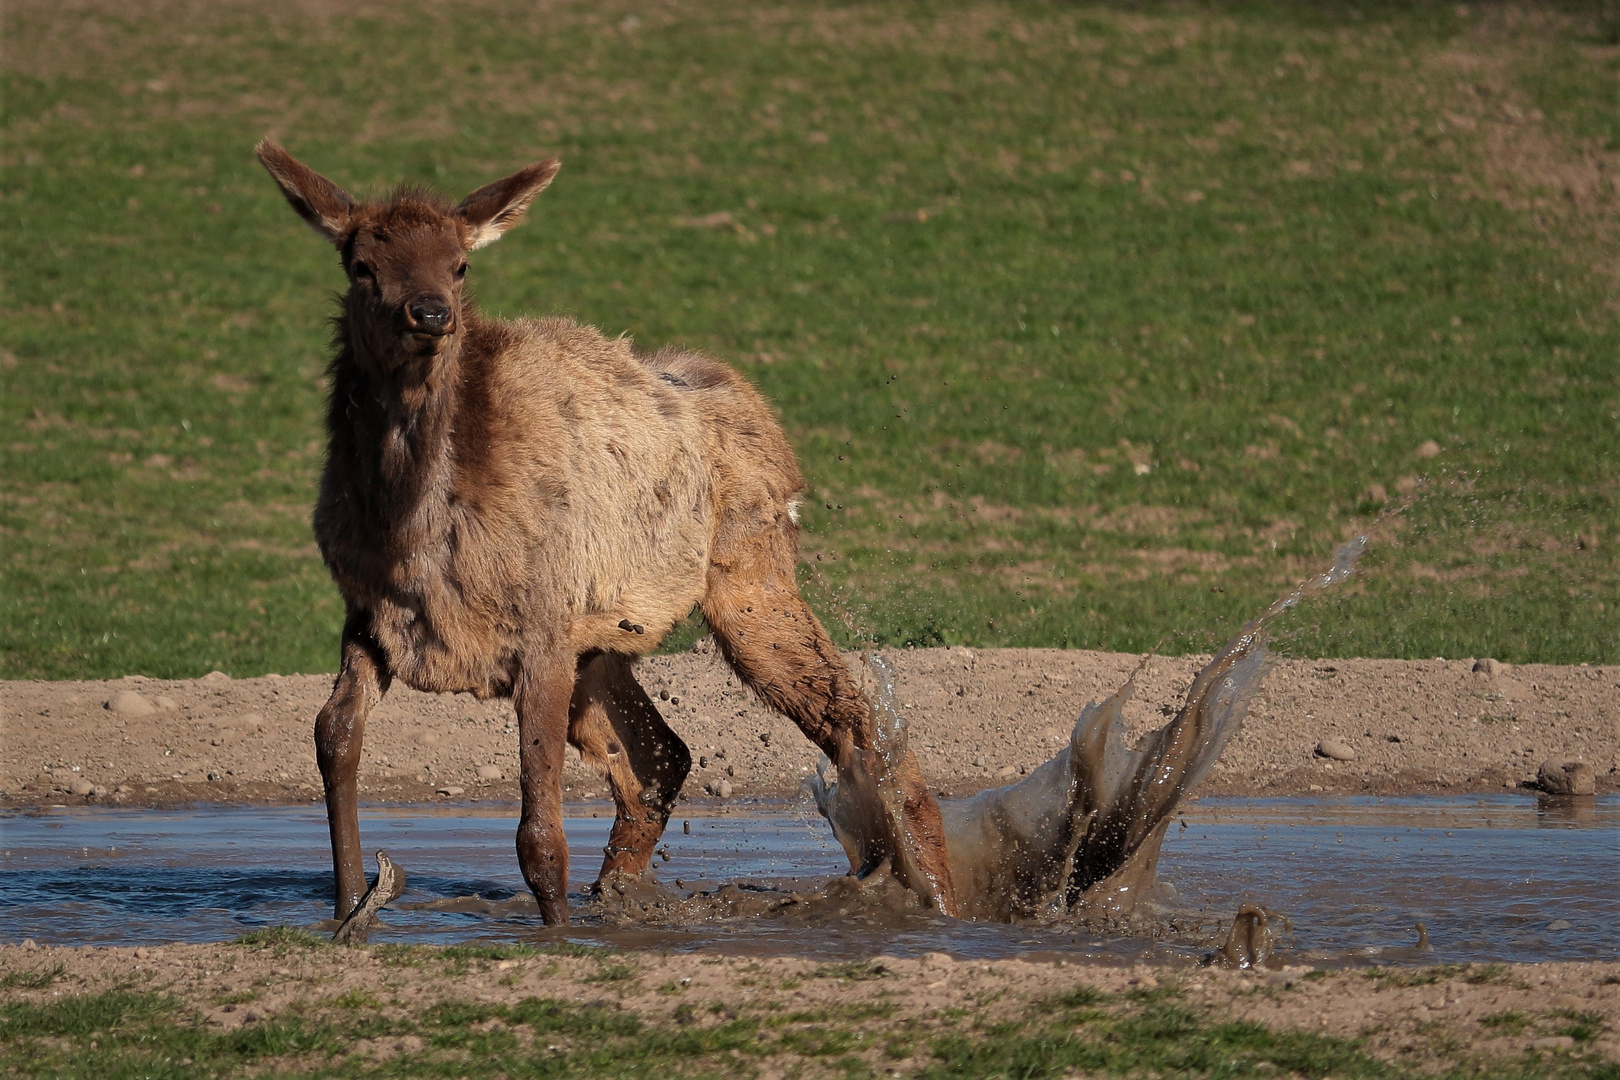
[1501, 878]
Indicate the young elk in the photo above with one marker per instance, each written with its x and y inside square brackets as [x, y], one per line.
[521, 508]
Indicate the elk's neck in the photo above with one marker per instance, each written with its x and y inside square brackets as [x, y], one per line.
[392, 416]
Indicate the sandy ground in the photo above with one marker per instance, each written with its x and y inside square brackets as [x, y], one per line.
[978, 719]
[1424, 1017]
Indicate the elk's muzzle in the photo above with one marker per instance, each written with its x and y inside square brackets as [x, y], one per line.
[429, 316]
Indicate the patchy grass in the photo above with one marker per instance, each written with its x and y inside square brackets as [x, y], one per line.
[283, 937]
[37, 979]
[1426, 975]
[852, 970]
[1094, 326]
[1507, 1022]
[131, 1034]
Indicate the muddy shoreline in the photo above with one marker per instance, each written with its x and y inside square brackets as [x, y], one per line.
[978, 718]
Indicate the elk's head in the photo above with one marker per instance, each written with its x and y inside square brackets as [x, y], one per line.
[405, 256]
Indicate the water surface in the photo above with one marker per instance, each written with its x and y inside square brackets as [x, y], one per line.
[1492, 878]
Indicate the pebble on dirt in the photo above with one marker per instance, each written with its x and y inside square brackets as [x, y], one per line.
[491, 772]
[1334, 750]
[129, 703]
[1560, 777]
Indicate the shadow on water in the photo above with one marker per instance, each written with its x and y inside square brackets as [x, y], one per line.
[1494, 878]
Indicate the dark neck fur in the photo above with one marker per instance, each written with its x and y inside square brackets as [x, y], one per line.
[390, 419]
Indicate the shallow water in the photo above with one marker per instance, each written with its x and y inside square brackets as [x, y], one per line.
[1492, 878]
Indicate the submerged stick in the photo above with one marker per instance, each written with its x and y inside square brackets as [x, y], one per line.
[388, 887]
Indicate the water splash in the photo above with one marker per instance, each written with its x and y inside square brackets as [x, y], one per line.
[1081, 834]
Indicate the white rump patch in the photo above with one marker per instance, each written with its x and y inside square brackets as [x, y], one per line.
[793, 510]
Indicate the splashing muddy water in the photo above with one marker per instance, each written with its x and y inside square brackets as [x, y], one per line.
[1081, 833]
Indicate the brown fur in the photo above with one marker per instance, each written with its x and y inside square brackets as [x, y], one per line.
[522, 507]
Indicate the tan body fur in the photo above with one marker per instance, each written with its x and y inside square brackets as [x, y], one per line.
[520, 508]
[561, 527]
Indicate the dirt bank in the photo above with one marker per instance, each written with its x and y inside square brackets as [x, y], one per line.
[978, 718]
[292, 1008]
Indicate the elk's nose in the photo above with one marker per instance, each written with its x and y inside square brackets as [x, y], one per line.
[429, 316]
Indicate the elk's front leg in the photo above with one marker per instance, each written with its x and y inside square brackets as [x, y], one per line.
[542, 696]
[339, 729]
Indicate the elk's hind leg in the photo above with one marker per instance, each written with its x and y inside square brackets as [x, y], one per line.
[619, 731]
[775, 642]
[339, 730]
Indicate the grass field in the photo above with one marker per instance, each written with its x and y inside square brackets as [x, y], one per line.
[1095, 325]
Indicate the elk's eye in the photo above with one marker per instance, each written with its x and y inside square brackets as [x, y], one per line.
[461, 271]
[361, 271]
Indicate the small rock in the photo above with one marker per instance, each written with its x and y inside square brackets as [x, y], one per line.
[1554, 1042]
[450, 789]
[1429, 449]
[166, 704]
[979, 763]
[1006, 772]
[129, 703]
[1560, 777]
[1334, 750]
[1315, 788]
[724, 789]
[81, 786]
[216, 776]
[491, 772]
[214, 677]
[1489, 667]
[1559, 924]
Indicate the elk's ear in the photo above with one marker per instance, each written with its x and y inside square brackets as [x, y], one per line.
[494, 208]
[323, 205]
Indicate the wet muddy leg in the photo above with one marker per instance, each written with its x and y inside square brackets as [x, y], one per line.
[775, 642]
[542, 695]
[339, 730]
[620, 732]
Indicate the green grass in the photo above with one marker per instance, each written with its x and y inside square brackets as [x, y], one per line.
[284, 938]
[122, 1034]
[1264, 251]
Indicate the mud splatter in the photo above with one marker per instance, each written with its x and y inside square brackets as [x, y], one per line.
[1081, 833]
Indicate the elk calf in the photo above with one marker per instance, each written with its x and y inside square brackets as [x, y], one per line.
[520, 508]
